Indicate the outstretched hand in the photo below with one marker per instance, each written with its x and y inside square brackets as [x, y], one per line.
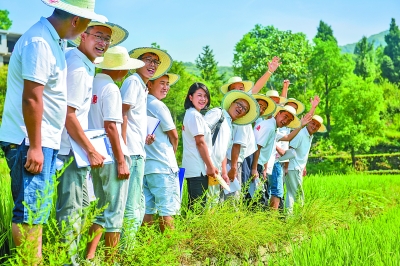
[314, 102]
[274, 64]
[286, 84]
[306, 119]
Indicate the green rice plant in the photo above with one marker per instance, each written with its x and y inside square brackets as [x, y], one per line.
[6, 206]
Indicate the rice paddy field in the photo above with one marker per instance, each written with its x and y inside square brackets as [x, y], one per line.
[346, 220]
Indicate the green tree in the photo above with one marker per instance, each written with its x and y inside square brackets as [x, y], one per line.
[5, 22]
[3, 87]
[356, 109]
[208, 67]
[365, 57]
[391, 61]
[257, 47]
[328, 69]
[325, 32]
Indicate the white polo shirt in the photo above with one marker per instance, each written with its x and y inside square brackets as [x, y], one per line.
[224, 138]
[265, 132]
[302, 144]
[244, 136]
[134, 93]
[160, 156]
[194, 125]
[79, 86]
[106, 105]
[37, 56]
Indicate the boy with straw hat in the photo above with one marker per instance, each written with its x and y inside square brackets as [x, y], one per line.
[161, 181]
[110, 182]
[134, 128]
[298, 156]
[72, 190]
[34, 114]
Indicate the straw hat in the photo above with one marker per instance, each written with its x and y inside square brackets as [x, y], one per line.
[165, 58]
[254, 111]
[117, 58]
[300, 106]
[118, 34]
[296, 121]
[247, 84]
[274, 93]
[172, 78]
[81, 8]
[271, 104]
[322, 129]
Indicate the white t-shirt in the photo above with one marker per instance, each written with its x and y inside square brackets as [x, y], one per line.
[160, 156]
[224, 138]
[265, 132]
[106, 105]
[79, 86]
[302, 144]
[280, 133]
[37, 56]
[194, 125]
[244, 136]
[134, 93]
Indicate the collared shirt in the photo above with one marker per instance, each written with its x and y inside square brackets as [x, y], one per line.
[224, 137]
[106, 105]
[160, 156]
[280, 133]
[194, 125]
[302, 144]
[265, 132]
[244, 136]
[79, 86]
[134, 93]
[37, 57]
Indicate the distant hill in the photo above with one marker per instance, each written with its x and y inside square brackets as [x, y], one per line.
[191, 68]
[378, 39]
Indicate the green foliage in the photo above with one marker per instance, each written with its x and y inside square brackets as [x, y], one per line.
[325, 32]
[3, 87]
[391, 61]
[192, 69]
[365, 61]
[5, 22]
[377, 39]
[256, 48]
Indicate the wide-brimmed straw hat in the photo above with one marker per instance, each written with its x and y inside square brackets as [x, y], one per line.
[247, 84]
[322, 128]
[118, 34]
[274, 93]
[271, 104]
[81, 8]
[296, 121]
[164, 58]
[254, 110]
[117, 58]
[172, 78]
[300, 106]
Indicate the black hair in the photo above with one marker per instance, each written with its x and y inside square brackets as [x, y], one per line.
[192, 90]
[61, 14]
[141, 56]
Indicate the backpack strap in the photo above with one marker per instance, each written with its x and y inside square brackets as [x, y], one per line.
[217, 127]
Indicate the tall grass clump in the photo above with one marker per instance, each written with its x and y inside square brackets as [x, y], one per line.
[6, 206]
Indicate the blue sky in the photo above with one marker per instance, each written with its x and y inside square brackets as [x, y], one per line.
[183, 27]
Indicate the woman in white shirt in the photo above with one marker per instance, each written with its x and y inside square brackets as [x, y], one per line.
[197, 144]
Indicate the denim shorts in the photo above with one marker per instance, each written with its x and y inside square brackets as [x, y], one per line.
[275, 181]
[161, 192]
[32, 194]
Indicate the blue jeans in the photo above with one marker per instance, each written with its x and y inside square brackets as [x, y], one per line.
[35, 190]
[275, 181]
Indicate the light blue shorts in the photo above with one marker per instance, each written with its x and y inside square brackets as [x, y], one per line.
[161, 192]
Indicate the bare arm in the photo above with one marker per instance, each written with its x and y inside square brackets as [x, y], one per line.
[76, 133]
[224, 174]
[124, 126]
[112, 133]
[32, 111]
[234, 159]
[285, 88]
[272, 66]
[203, 150]
[256, 155]
[173, 138]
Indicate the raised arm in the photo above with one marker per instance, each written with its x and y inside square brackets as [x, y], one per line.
[272, 66]
[285, 88]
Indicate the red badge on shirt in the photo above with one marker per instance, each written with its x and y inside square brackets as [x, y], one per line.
[258, 128]
[94, 99]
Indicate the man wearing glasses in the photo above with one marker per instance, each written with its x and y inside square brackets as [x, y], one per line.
[72, 190]
[134, 128]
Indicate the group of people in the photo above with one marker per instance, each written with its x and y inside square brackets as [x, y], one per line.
[54, 96]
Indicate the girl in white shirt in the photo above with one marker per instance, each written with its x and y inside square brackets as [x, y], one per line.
[197, 144]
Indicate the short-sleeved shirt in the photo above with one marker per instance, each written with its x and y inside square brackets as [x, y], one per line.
[134, 93]
[38, 56]
[194, 125]
[280, 133]
[224, 138]
[79, 86]
[160, 156]
[106, 105]
[244, 136]
[302, 144]
[265, 132]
